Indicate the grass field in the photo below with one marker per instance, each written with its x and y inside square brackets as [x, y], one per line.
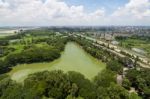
[136, 43]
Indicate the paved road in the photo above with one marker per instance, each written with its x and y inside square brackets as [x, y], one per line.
[99, 43]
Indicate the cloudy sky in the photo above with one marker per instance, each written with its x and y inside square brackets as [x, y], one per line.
[74, 12]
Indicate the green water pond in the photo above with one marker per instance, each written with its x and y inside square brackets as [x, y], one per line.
[74, 58]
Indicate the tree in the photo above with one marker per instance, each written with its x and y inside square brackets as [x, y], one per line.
[4, 67]
[4, 42]
[126, 84]
[115, 66]
[140, 79]
[134, 96]
[86, 88]
[117, 92]
[105, 78]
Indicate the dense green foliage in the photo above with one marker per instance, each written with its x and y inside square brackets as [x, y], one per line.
[29, 47]
[59, 85]
[5, 50]
[126, 84]
[115, 66]
[4, 67]
[140, 79]
[43, 45]
[33, 55]
[4, 42]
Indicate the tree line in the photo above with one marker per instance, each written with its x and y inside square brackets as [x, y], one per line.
[59, 85]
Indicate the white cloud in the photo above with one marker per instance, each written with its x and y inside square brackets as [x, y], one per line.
[136, 11]
[57, 12]
[3, 4]
[36, 12]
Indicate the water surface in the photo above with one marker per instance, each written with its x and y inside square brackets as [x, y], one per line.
[74, 58]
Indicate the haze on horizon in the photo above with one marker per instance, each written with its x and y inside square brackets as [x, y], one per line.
[74, 12]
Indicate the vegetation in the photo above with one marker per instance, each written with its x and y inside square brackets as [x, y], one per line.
[4, 42]
[43, 46]
[59, 85]
[67, 62]
[95, 51]
[33, 55]
[5, 50]
[114, 63]
[141, 42]
[115, 66]
[29, 48]
[140, 79]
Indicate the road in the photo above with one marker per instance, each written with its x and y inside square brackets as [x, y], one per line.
[117, 51]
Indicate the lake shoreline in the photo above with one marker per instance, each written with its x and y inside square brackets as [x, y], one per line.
[68, 61]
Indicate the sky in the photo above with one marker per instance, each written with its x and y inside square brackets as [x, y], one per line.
[74, 12]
